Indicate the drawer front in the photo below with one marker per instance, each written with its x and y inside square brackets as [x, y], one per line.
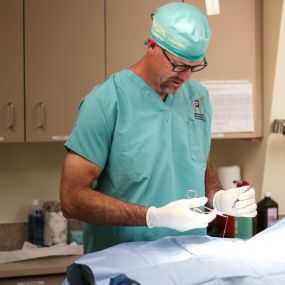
[40, 280]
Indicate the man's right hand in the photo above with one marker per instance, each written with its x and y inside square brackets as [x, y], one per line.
[180, 215]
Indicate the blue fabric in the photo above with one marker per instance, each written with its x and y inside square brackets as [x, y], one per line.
[122, 279]
[193, 260]
[151, 151]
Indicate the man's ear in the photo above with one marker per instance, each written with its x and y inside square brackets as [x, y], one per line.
[151, 44]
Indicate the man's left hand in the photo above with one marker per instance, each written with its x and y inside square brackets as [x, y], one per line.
[236, 202]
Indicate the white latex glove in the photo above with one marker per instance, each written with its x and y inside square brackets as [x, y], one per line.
[224, 201]
[178, 215]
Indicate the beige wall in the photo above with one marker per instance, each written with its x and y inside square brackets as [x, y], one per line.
[29, 171]
[273, 178]
[259, 159]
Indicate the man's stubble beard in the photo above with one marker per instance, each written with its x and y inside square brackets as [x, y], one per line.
[166, 88]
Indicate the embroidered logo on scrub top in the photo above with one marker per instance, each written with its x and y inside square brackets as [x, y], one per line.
[198, 108]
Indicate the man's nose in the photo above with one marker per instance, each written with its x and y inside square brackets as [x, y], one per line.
[185, 75]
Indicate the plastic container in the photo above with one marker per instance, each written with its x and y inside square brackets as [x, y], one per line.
[267, 210]
[36, 224]
[55, 224]
[244, 227]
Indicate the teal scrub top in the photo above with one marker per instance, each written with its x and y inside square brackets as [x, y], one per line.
[151, 151]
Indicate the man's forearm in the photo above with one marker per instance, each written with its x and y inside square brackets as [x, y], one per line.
[94, 207]
[80, 201]
[212, 182]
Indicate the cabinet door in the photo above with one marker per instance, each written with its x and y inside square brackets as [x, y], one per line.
[11, 71]
[31, 280]
[235, 51]
[128, 24]
[64, 59]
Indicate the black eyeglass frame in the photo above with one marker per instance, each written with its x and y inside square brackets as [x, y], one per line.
[184, 67]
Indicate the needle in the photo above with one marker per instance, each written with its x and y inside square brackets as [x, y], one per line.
[237, 200]
[222, 214]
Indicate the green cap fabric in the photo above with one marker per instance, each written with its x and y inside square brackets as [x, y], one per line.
[182, 30]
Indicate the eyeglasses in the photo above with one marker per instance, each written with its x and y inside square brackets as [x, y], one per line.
[184, 67]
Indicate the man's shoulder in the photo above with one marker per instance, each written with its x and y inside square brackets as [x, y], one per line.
[109, 85]
[105, 90]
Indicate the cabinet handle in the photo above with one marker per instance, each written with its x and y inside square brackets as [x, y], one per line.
[11, 117]
[42, 115]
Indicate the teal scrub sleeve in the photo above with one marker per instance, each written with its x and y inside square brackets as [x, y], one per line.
[92, 135]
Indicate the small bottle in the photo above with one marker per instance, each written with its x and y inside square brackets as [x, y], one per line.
[36, 224]
[267, 210]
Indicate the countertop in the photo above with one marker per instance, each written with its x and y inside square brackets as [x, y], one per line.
[38, 266]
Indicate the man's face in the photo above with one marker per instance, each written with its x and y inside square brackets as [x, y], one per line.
[171, 84]
[174, 72]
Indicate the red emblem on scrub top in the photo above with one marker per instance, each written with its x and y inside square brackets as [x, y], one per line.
[198, 108]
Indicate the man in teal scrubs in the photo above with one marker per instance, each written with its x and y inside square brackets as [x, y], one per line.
[142, 139]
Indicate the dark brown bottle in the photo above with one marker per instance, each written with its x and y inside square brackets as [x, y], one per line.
[267, 212]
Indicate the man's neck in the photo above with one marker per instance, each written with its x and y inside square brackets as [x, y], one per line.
[163, 97]
[139, 69]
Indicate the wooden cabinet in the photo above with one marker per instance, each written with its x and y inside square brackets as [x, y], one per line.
[235, 51]
[11, 71]
[128, 25]
[32, 280]
[63, 58]
[54, 51]
[40, 271]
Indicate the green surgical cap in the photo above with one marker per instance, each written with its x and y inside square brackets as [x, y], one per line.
[182, 30]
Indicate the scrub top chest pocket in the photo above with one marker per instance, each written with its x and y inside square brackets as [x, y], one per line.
[199, 133]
